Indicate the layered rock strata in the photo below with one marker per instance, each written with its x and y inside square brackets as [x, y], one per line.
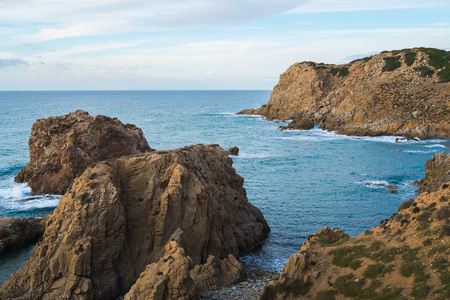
[62, 147]
[18, 232]
[403, 93]
[125, 218]
[405, 257]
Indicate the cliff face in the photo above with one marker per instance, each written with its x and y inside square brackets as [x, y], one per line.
[405, 257]
[404, 93]
[173, 209]
[437, 172]
[62, 147]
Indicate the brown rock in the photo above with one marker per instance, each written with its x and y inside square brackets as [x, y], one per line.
[437, 172]
[62, 147]
[18, 232]
[233, 151]
[364, 98]
[119, 215]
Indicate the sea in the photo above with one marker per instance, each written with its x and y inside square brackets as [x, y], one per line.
[302, 181]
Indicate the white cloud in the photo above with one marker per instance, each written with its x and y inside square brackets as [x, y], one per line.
[366, 5]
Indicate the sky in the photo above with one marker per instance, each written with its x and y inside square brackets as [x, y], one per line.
[200, 44]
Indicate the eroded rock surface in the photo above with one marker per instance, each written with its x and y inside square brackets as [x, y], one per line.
[437, 172]
[120, 216]
[18, 232]
[403, 93]
[62, 147]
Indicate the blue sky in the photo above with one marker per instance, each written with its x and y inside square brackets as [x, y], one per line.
[199, 44]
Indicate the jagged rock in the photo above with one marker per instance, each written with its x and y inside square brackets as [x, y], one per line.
[168, 278]
[370, 96]
[216, 273]
[62, 147]
[233, 151]
[437, 172]
[18, 232]
[119, 215]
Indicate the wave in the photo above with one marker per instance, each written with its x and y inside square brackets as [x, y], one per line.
[19, 197]
[251, 156]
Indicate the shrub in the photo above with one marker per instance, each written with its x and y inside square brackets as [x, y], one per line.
[424, 71]
[410, 57]
[347, 286]
[444, 75]
[326, 295]
[406, 204]
[443, 213]
[373, 271]
[391, 63]
[424, 216]
[445, 229]
[346, 256]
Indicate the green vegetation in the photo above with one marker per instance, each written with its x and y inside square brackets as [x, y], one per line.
[410, 57]
[295, 288]
[373, 271]
[444, 75]
[412, 265]
[437, 58]
[424, 71]
[346, 256]
[392, 63]
[347, 286]
[443, 213]
[341, 72]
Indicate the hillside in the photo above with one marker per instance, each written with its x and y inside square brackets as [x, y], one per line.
[403, 93]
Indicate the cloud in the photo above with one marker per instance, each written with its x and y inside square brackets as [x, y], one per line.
[366, 5]
[12, 62]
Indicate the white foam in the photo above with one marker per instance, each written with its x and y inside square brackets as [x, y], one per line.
[435, 146]
[18, 196]
[252, 155]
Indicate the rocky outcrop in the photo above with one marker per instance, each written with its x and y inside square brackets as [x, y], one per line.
[122, 215]
[18, 232]
[437, 172]
[403, 93]
[62, 147]
[233, 151]
[405, 257]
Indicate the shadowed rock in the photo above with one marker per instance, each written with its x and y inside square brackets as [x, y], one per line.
[437, 172]
[18, 232]
[120, 215]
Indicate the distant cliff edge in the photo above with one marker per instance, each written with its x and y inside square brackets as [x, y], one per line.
[402, 93]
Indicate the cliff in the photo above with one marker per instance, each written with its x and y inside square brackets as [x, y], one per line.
[168, 223]
[403, 93]
[437, 172]
[405, 257]
[62, 147]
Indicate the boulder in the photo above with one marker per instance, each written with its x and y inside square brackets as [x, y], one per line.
[233, 151]
[119, 216]
[62, 147]
[18, 232]
[437, 172]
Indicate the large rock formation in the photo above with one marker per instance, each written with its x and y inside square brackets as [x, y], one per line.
[125, 214]
[18, 232]
[404, 93]
[62, 147]
[437, 172]
[405, 257]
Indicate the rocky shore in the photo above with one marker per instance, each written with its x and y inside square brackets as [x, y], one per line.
[405, 257]
[403, 93]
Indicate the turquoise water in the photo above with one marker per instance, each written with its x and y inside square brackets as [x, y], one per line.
[301, 180]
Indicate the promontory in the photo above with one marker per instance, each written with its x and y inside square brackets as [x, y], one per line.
[402, 93]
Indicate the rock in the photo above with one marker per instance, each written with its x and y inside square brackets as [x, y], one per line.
[62, 147]
[119, 215]
[437, 172]
[233, 151]
[364, 98]
[18, 232]
[392, 191]
[248, 111]
[216, 273]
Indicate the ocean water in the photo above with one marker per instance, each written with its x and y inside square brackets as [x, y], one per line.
[300, 180]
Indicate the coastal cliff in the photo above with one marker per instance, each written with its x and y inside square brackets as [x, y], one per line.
[164, 225]
[62, 147]
[405, 257]
[402, 93]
